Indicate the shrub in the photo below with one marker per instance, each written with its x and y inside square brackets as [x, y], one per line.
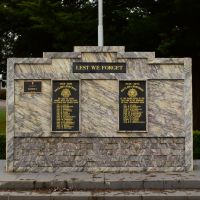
[2, 147]
[3, 94]
[196, 144]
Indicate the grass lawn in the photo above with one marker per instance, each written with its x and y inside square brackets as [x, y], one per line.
[2, 121]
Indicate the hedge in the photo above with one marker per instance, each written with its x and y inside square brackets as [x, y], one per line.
[2, 147]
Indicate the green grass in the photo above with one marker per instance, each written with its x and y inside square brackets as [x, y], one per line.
[2, 121]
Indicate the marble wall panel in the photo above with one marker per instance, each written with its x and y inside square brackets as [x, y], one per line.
[136, 69]
[99, 110]
[99, 107]
[165, 107]
[32, 111]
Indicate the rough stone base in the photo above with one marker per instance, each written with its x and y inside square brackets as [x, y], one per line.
[51, 154]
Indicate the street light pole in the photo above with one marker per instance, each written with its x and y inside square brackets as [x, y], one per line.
[100, 25]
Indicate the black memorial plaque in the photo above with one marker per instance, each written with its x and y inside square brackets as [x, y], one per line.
[32, 86]
[132, 105]
[65, 106]
[91, 67]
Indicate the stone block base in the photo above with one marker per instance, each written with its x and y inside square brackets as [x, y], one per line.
[99, 154]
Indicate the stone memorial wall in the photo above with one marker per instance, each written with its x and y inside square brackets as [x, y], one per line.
[99, 109]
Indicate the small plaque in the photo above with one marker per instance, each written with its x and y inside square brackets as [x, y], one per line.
[132, 105]
[65, 106]
[90, 67]
[32, 86]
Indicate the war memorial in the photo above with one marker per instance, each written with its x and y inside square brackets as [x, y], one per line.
[99, 122]
[99, 109]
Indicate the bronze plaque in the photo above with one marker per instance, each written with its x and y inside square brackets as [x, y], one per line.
[132, 105]
[65, 106]
[32, 86]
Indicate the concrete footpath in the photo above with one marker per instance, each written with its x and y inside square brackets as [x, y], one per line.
[82, 185]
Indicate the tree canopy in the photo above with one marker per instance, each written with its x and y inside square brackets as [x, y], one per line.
[170, 28]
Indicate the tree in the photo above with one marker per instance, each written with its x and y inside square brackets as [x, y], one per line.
[28, 28]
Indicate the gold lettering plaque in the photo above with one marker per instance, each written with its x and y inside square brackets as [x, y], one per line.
[65, 106]
[132, 105]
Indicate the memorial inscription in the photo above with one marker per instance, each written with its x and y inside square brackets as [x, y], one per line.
[132, 105]
[65, 106]
[90, 67]
[32, 86]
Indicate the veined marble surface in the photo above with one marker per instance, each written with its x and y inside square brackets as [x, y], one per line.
[99, 108]
[32, 111]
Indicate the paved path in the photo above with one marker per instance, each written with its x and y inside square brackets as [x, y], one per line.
[101, 186]
[106, 195]
[91, 181]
